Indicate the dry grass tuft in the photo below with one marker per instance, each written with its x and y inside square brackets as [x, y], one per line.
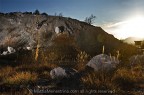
[99, 81]
[37, 53]
[82, 59]
[127, 79]
[6, 72]
[35, 68]
[21, 78]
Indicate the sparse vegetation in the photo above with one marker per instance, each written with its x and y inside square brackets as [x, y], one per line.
[37, 53]
[90, 19]
[101, 81]
[60, 14]
[82, 59]
[74, 52]
[118, 81]
[21, 78]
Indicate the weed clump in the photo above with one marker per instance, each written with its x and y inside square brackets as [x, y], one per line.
[21, 78]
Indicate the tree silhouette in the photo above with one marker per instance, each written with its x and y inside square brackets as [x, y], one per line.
[90, 19]
[60, 15]
[36, 12]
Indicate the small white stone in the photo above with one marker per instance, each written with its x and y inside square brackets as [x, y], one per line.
[10, 49]
[28, 48]
[5, 53]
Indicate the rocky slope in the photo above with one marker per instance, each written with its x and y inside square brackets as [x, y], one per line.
[23, 30]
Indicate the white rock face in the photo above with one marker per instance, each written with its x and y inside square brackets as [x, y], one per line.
[103, 61]
[57, 30]
[59, 73]
[10, 49]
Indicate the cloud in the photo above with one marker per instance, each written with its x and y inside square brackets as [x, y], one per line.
[116, 29]
[116, 24]
[109, 27]
[132, 27]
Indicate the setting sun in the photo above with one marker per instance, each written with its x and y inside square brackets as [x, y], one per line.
[131, 27]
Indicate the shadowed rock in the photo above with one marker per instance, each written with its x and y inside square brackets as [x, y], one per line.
[102, 62]
[65, 78]
[60, 73]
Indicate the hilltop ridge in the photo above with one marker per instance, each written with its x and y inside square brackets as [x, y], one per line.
[27, 29]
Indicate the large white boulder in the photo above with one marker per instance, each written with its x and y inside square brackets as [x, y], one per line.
[103, 62]
[60, 73]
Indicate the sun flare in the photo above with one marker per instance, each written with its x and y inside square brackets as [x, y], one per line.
[131, 27]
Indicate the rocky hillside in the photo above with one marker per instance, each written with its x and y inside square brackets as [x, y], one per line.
[27, 30]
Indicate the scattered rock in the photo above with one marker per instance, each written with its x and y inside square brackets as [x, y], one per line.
[11, 49]
[60, 73]
[5, 53]
[65, 78]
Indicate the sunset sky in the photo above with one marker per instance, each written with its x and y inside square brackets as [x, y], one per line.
[122, 18]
